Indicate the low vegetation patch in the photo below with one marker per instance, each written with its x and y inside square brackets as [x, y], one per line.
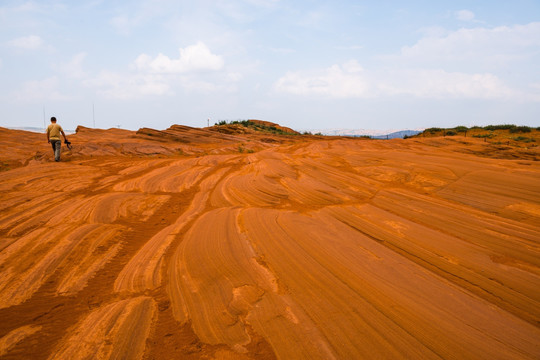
[256, 126]
[460, 130]
[520, 129]
[506, 134]
[499, 127]
[433, 130]
[483, 136]
[524, 139]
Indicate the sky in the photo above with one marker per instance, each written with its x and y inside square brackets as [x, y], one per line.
[305, 64]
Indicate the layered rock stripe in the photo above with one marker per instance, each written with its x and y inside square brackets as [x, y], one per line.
[191, 243]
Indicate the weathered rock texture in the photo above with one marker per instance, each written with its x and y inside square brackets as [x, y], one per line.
[196, 244]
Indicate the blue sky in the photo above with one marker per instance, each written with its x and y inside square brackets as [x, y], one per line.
[303, 64]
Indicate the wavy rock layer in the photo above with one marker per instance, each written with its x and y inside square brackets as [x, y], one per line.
[188, 243]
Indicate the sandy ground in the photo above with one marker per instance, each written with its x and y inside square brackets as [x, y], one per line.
[195, 244]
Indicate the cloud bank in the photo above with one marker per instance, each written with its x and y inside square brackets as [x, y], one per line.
[31, 42]
[162, 75]
[193, 58]
[436, 67]
[339, 81]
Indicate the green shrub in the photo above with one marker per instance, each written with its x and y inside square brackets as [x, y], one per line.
[489, 136]
[450, 133]
[245, 123]
[524, 139]
[499, 127]
[433, 130]
[520, 129]
[461, 129]
[258, 127]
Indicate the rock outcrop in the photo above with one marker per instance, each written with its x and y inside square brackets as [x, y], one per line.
[190, 243]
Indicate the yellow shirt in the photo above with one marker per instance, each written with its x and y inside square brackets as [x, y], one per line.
[54, 131]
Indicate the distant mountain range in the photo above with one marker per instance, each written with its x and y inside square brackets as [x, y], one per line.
[375, 134]
[398, 134]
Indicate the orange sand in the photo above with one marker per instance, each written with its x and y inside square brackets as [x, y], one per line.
[198, 244]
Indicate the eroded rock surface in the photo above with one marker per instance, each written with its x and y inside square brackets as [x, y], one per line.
[195, 244]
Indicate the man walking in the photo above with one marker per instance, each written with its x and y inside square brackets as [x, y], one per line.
[53, 137]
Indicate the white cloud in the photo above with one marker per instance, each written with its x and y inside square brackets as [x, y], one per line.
[350, 80]
[477, 46]
[29, 6]
[202, 86]
[440, 84]
[73, 69]
[350, 47]
[263, 3]
[337, 81]
[139, 85]
[230, 77]
[136, 14]
[193, 58]
[465, 15]
[311, 18]
[40, 7]
[472, 63]
[123, 24]
[281, 50]
[194, 70]
[41, 90]
[129, 86]
[31, 42]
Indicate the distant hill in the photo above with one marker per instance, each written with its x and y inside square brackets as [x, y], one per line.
[398, 134]
[375, 134]
[252, 124]
[505, 134]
